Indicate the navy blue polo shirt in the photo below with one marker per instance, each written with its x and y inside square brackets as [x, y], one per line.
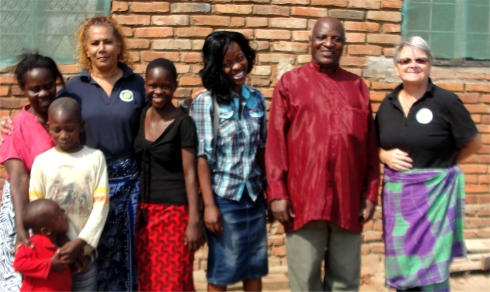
[111, 121]
[436, 127]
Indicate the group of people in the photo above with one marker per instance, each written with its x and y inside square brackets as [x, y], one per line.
[120, 180]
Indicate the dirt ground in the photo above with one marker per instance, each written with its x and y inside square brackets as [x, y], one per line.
[278, 281]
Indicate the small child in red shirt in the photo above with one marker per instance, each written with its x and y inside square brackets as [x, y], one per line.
[41, 265]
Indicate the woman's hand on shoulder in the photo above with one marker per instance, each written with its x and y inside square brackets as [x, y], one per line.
[5, 127]
[395, 159]
[194, 237]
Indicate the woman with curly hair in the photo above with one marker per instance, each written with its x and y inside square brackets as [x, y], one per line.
[112, 98]
[231, 130]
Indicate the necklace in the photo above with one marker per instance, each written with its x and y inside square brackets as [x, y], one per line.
[402, 97]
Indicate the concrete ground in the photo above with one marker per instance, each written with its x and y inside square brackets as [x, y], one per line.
[277, 280]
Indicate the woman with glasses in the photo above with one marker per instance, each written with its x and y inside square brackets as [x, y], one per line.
[424, 131]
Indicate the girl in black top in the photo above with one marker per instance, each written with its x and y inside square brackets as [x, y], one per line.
[168, 218]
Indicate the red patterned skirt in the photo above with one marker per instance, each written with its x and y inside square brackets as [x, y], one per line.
[165, 263]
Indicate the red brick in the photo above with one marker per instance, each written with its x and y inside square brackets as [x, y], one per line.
[193, 31]
[392, 4]
[485, 212]
[309, 11]
[191, 57]
[233, 9]
[189, 81]
[290, 47]
[383, 85]
[152, 7]
[127, 31]
[237, 22]
[182, 68]
[8, 79]
[483, 233]
[4, 90]
[262, 70]
[211, 20]
[473, 168]
[171, 44]
[364, 50]
[271, 34]
[294, 2]
[378, 248]
[339, 3]
[451, 86]
[390, 27]
[366, 4]
[377, 96]
[13, 103]
[303, 59]
[365, 249]
[389, 39]
[276, 240]
[388, 52]
[135, 56]
[260, 82]
[197, 44]
[190, 7]
[469, 97]
[271, 10]
[469, 234]
[69, 69]
[256, 22]
[261, 45]
[471, 179]
[16, 91]
[279, 228]
[299, 35]
[353, 61]
[480, 87]
[279, 251]
[390, 16]
[153, 32]
[361, 26]
[275, 58]
[486, 98]
[372, 236]
[274, 261]
[148, 56]
[475, 223]
[477, 108]
[346, 14]
[119, 6]
[288, 22]
[248, 33]
[132, 19]
[171, 20]
[476, 188]
[138, 43]
[355, 37]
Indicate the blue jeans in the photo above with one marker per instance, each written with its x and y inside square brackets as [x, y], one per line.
[86, 281]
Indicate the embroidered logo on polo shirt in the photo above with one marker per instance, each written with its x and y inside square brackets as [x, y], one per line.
[424, 116]
[126, 95]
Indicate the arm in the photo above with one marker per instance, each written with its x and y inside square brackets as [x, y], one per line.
[193, 233]
[371, 183]
[276, 157]
[19, 190]
[90, 234]
[395, 159]
[212, 215]
[28, 264]
[469, 149]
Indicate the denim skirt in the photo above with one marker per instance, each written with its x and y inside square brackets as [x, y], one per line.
[240, 253]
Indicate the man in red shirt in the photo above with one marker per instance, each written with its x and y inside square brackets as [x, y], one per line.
[322, 164]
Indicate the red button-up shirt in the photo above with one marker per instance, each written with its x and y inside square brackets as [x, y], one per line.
[35, 265]
[321, 150]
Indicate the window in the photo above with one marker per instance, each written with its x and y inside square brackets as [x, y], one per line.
[457, 30]
[45, 25]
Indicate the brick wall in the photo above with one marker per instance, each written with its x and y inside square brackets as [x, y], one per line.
[279, 31]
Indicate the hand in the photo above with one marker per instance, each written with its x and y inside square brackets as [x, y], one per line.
[57, 264]
[72, 249]
[79, 265]
[212, 219]
[283, 212]
[396, 159]
[5, 127]
[23, 239]
[268, 213]
[368, 210]
[194, 237]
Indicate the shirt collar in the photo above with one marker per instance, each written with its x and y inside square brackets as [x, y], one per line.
[316, 67]
[429, 93]
[44, 241]
[247, 91]
[127, 72]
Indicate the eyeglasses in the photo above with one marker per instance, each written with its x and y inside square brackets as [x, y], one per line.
[419, 61]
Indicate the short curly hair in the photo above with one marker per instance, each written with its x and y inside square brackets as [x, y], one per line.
[81, 36]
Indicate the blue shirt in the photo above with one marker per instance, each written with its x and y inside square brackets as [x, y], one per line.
[240, 135]
[111, 121]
